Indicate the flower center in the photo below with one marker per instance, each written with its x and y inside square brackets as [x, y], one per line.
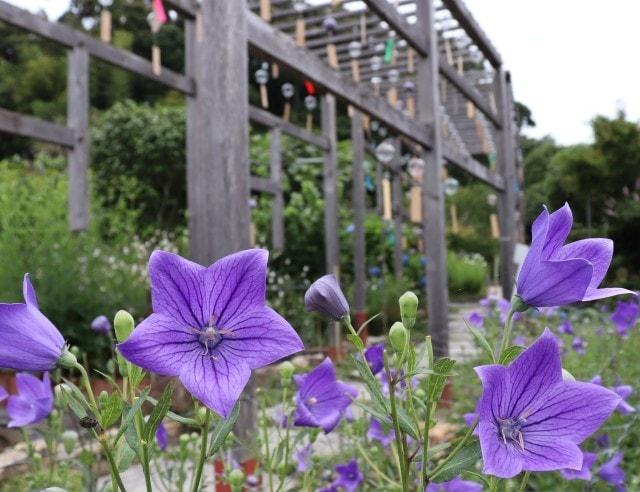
[312, 401]
[210, 336]
[510, 430]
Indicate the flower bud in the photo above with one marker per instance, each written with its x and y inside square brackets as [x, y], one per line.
[229, 440]
[123, 324]
[36, 460]
[68, 359]
[61, 392]
[201, 415]
[408, 309]
[398, 336]
[103, 399]
[69, 440]
[420, 393]
[326, 297]
[236, 477]
[75, 350]
[567, 376]
[286, 373]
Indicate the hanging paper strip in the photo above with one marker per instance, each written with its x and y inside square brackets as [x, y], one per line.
[286, 116]
[355, 70]
[448, 52]
[300, 31]
[386, 199]
[492, 102]
[264, 96]
[265, 10]
[455, 228]
[471, 110]
[443, 90]
[415, 205]
[105, 26]
[388, 51]
[161, 14]
[363, 29]
[495, 227]
[350, 111]
[410, 64]
[411, 106]
[156, 62]
[309, 124]
[275, 70]
[252, 234]
[460, 66]
[332, 56]
[199, 27]
[392, 97]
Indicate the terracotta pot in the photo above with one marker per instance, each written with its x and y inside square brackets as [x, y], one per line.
[249, 467]
[359, 318]
[447, 396]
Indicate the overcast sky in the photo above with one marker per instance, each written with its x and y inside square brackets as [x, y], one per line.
[570, 59]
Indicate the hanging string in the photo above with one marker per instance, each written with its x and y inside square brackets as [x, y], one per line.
[287, 92]
[410, 60]
[355, 50]
[262, 77]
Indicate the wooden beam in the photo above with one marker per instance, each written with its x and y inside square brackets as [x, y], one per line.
[433, 206]
[265, 118]
[460, 13]
[277, 207]
[358, 197]
[27, 126]
[264, 185]
[78, 120]
[70, 38]
[412, 33]
[267, 42]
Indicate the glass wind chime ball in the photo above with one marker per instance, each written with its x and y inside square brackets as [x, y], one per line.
[355, 49]
[450, 186]
[310, 102]
[299, 6]
[385, 152]
[105, 3]
[408, 87]
[287, 90]
[393, 76]
[375, 63]
[416, 167]
[262, 76]
[330, 24]
[492, 199]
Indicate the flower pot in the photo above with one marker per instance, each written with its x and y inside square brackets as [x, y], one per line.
[249, 467]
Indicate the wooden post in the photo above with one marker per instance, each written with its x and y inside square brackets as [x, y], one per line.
[359, 238]
[507, 168]
[78, 121]
[218, 152]
[277, 207]
[330, 192]
[396, 197]
[433, 210]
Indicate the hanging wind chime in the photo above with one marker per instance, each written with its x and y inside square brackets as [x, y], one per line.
[262, 77]
[392, 94]
[287, 92]
[156, 19]
[330, 24]
[375, 64]
[310, 102]
[355, 51]
[450, 187]
[389, 48]
[300, 6]
[409, 88]
[105, 20]
[385, 153]
[416, 167]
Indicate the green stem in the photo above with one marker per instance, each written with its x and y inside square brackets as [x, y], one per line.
[455, 451]
[370, 462]
[139, 426]
[396, 427]
[203, 451]
[506, 334]
[112, 463]
[523, 484]
[84, 377]
[427, 418]
[265, 434]
[283, 471]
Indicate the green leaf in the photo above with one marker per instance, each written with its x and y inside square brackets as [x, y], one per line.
[442, 366]
[372, 384]
[128, 418]
[509, 354]
[222, 429]
[466, 459]
[109, 379]
[76, 400]
[364, 325]
[158, 413]
[124, 455]
[356, 341]
[482, 342]
[174, 416]
[131, 439]
[477, 476]
[111, 411]
[403, 418]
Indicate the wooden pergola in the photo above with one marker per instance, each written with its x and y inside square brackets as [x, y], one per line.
[442, 92]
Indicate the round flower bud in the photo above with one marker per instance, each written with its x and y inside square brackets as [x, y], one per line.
[236, 477]
[36, 460]
[69, 440]
[230, 439]
[123, 324]
[68, 359]
[201, 415]
[103, 398]
[61, 392]
[184, 439]
[420, 393]
[398, 336]
[286, 372]
[408, 309]
[75, 350]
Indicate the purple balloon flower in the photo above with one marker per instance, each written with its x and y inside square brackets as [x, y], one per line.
[210, 326]
[349, 476]
[553, 274]
[611, 472]
[566, 327]
[625, 316]
[476, 319]
[161, 437]
[30, 342]
[588, 460]
[3, 394]
[302, 455]
[530, 419]
[578, 345]
[376, 432]
[455, 485]
[33, 402]
[321, 399]
[374, 356]
[326, 297]
[624, 391]
[101, 324]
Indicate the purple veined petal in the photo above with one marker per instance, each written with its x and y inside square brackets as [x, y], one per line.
[160, 345]
[547, 453]
[611, 472]
[494, 399]
[30, 387]
[534, 256]
[624, 408]
[304, 418]
[595, 294]
[21, 412]
[624, 390]
[162, 439]
[597, 251]
[30, 342]
[309, 383]
[3, 394]
[347, 390]
[239, 283]
[260, 336]
[554, 283]
[498, 459]
[374, 356]
[455, 485]
[588, 460]
[558, 229]
[216, 383]
[28, 292]
[570, 411]
[177, 289]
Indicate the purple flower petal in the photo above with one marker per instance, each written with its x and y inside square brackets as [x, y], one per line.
[161, 437]
[588, 460]
[33, 402]
[350, 477]
[555, 283]
[101, 324]
[374, 356]
[455, 485]
[611, 472]
[326, 297]
[3, 394]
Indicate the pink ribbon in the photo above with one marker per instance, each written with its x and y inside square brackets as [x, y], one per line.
[161, 14]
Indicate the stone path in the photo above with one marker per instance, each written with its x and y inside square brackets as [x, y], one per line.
[461, 344]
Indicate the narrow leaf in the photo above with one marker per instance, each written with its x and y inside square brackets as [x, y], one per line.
[482, 342]
[128, 418]
[372, 384]
[442, 366]
[222, 429]
[464, 460]
[111, 411]
[356, 341]
[509, 354]
[158, 413]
